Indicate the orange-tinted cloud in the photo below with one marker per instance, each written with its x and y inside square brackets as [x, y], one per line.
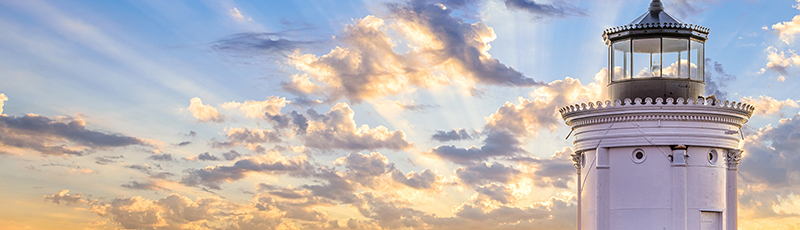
[204, 113]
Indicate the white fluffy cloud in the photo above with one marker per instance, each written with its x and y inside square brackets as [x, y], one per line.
[204, 113]
[779, 61]
[788, 30]
[444, 50]
[540, 112]
[3, 100]
[337, 129]
[259, 109]
[505, 128]
[766, 105]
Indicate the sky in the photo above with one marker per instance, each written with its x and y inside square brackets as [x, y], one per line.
[422, 114]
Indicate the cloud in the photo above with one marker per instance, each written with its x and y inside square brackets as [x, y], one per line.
[145, 168]
[71, 168]
[295, 204]
[449, 41]
[270, 163]
[687, 8]
[366, 67]
[390, 215]
[364, 168]
[483, 173]
[251, 138]
[185, 143]
[60, 136]
[161, 175]
[768, 168]
[62, 196]
[104, 160]
[3, 100]
[336, 129]
[254, 44]
[293, 119]
[557, 171]
[147, 185]
[496, 144]
[415, 107]
[716, 84]
[787, 30]
[301, 84]
[453, 135]
[171, 212]
[768, 106]
[779, 62]
[334, 187]
[425, 180]
[444, 50]
[231, 155]
[540, 10]
[204, 113]
[552, 214]
[496, 192]
[237, 15]
[530, 116]
[207, 157]
[457, 4]
[275, 207]
[176, 211]
[375, 171]
[259, 109]
[161, 157]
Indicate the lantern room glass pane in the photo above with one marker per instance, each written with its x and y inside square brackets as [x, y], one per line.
[646, 58]
[621, 58]
[675, 58]
[697, 61]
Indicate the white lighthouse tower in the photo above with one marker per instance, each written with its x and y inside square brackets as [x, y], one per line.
[658, 155]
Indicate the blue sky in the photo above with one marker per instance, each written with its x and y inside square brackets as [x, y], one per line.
[346, 114]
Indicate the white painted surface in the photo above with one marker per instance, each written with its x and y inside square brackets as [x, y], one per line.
[657, 193]
[710, 221]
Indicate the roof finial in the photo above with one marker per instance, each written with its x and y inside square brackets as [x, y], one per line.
[656, 6]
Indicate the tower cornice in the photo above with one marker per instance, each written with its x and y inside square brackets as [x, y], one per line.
[657, 123]
[658, 109]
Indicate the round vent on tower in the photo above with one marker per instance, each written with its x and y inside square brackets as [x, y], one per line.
[712, 156]
[638, 156]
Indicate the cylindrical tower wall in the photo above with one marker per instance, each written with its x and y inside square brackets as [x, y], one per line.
[589, 190]
[656, 165]
[707, 186]
[641, 194]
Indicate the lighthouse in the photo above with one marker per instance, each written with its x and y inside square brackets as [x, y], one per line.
[659, 154]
